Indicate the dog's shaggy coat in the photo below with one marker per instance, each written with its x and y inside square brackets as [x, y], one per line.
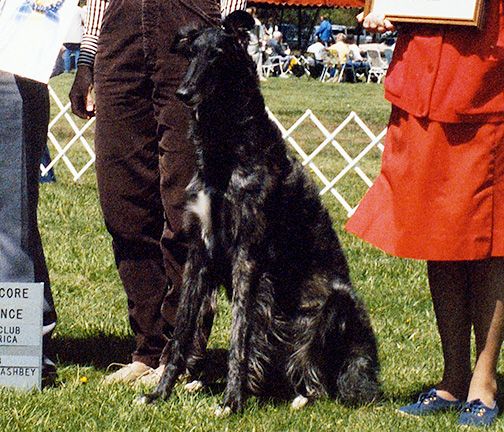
[256, 225]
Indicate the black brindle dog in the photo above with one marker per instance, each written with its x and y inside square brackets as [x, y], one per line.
[256, 225]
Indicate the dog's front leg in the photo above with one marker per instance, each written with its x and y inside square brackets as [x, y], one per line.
[243, 275]
[167, 382]
[198, 285]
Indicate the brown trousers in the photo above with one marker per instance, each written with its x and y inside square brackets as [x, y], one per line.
[144, 160]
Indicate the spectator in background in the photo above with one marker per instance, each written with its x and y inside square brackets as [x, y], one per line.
[353, 49]
[349, 57]
[320, 56]
[319, 51]
[256, 43]
[355, 60]
[50, 176]
[340, 47]
[73, 39]
[324, 32]
[269, 28]
[277, 49]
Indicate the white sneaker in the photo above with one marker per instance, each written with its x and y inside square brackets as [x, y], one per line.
[151, 377]
[128, 373]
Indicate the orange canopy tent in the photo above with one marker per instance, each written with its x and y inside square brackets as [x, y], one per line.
[314, 3]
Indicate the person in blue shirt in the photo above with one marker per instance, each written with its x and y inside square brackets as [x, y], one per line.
[324, 32]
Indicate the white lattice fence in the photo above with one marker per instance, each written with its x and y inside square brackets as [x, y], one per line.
[63, 148]
[330, 142]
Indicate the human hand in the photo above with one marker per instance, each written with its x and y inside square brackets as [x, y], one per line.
[375, 22]
[80, 94]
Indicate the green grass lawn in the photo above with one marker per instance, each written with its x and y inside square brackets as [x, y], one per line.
[93, 329]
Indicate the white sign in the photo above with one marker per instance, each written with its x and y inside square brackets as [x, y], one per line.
[21, 334]
[32, 33]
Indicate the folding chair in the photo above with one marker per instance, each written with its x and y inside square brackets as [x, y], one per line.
[388, 52]
[331, 61]
[275, 62]
[378, 67]
[347, 67]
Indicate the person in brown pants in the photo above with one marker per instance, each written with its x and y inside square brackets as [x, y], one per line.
[143, 157]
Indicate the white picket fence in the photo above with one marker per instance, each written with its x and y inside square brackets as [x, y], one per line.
[330, 142]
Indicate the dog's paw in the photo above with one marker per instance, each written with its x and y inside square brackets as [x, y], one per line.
[145, 399]
[141, 400]
[222, 411]
[193, 386]
[299, 402]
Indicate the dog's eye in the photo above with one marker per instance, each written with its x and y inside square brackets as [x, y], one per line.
[214, 56]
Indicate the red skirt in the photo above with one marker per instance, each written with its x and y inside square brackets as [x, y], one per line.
[440, 192]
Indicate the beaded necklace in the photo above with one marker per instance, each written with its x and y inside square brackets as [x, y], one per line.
[50, 10]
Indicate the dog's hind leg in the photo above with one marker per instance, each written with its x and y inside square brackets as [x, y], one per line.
[336, 351]
[348, 325]
[358, 382]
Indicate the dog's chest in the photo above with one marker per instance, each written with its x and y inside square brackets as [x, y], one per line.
[220, 219]
[201, 207]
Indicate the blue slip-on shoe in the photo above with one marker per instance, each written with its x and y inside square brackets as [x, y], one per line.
[430, 403]
[475, 413]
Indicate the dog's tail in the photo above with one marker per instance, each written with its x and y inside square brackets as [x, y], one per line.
[346, 336]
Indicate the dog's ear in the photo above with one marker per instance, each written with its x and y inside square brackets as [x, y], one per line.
[239, 23]
[183, 40]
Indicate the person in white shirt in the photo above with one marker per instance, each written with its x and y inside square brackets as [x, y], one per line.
[73, 38]
[319, 51]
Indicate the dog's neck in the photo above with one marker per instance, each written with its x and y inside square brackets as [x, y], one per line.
[232, 128]
[234, 101]
[232, 111]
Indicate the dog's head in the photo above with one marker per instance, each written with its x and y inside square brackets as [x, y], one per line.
[216, 55]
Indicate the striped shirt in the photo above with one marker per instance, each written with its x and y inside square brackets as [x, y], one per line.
[94, 19]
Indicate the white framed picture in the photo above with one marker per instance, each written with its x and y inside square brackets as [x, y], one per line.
[455, 12]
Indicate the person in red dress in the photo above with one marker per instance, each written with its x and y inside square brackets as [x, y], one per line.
[440, 194]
